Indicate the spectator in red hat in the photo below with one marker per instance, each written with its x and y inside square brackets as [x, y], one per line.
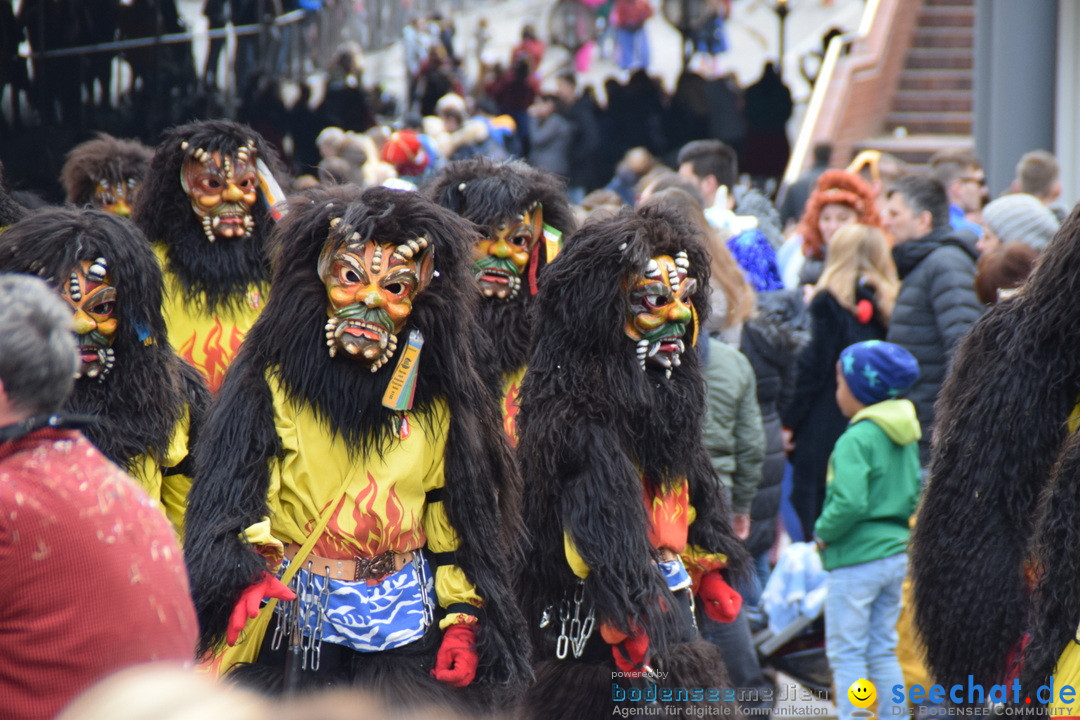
[414, 155]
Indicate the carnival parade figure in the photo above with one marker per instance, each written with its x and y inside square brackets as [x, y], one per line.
[522, 215]
[354, 453]
[625, 519]
[106, 173]
[207, 206]
[1006, 418]
[147, 403]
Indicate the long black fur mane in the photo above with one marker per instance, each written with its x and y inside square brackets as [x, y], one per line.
[232, 474]
[1055, 562]
[593, 424]
[214, 275]
[485, 192]
[102, 158]
[10, 211]
[1000, 428]
[138, 403]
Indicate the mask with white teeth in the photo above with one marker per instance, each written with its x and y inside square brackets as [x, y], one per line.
[659, 311]
[223, 188]
[501, 258]
[92, 297]
[370, 286]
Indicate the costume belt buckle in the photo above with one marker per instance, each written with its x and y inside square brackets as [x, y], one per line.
[375, 568]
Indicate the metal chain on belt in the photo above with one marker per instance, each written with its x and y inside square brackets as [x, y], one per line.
[574, 632]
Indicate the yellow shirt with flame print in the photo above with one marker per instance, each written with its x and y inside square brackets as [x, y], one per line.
[208, 341]
[384, 506]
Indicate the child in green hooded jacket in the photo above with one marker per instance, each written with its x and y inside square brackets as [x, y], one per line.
[872, 487]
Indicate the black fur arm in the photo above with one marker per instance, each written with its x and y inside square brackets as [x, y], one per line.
[999, 426]
[1056, 557]
[478, 480]
[603, 513]
[229, 494]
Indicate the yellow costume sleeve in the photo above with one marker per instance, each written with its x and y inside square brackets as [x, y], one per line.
[451, 585]
[175, 487]
[260, 537]
[1074, 418]
[699, 561]
[1066, 673]
[169, 491]
[573, 558]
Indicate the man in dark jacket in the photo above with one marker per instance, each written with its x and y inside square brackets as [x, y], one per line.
[937, 302]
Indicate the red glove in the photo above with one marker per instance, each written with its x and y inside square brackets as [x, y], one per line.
[247, 606]
[632, 654]
[719, 600]
[456, 662]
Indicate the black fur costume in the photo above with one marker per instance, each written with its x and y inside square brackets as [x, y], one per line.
[10, 211]
[592, 424]
[213, 275]
[1000, 428]
[139, 402]
[103, 158]
[482, 489]
[486, 193]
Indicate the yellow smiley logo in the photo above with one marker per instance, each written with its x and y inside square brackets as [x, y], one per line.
[862, 693]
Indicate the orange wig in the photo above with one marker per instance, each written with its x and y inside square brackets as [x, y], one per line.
[836, 187]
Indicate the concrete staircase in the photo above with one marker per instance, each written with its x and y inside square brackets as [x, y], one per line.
[933, 105]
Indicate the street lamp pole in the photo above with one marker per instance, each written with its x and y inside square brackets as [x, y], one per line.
[782, 11]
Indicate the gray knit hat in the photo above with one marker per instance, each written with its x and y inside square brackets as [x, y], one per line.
[1021, 218]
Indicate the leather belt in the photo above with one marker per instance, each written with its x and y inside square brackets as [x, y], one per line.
[356, 568]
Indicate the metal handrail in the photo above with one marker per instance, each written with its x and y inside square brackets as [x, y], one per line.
[170, 39]
[804, 140]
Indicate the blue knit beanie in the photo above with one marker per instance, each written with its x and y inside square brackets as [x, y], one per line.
[876, 370]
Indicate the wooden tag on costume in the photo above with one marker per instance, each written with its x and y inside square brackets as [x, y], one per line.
[552, 242]
[272, 193]
[399, 393]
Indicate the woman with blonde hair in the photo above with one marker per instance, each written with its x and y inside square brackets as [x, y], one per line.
[853, 302]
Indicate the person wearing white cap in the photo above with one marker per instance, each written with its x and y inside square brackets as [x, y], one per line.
[1017, 218]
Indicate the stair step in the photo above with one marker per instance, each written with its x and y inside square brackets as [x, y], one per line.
[934, 101]
[940, 58]
[944, 37]
[949, 3]
[916, 150]
[936, 80]
[946, 17]
[953, 123]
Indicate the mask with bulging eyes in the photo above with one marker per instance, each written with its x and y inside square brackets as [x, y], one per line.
[116, 198]
[659, 311]
[223, 188]
[500, 259]
[370, 288]
[92, 297]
